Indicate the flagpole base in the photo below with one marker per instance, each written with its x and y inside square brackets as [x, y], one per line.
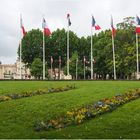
[67, 77]
[138, 76]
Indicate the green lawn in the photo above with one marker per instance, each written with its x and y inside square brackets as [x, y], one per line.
[17, 117]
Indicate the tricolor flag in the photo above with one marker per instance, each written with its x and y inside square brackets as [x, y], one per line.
[138, 25]
[22, 27]
[112, 26]
[97, 27]
[51, 60]
[68, 17]
[47, 31]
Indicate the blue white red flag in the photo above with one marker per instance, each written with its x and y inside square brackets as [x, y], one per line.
[22, 27]
[112, 26]
[47, 31]
[97, 27]
[138, 25]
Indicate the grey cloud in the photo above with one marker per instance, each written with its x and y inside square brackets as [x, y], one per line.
[55, 13]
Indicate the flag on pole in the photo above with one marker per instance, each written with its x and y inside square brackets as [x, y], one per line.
[84, 59]
[97, 27]
[112, 26]
[138, 25]
[60, 60]
[94, 61]
[68, 17]
[113, 50]
[51, 60]
[22, 27]
[47, 31]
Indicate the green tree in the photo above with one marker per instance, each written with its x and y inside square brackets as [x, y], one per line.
[32, 44]
[102, 53]
[36, 68]
[73, 64]
[125, 52]
[56, 45]
[127, 23]
[80, 70]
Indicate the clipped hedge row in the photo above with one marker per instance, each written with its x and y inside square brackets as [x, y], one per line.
[79, 115]
[37, 92]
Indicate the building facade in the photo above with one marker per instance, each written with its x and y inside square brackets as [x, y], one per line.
[12, 71]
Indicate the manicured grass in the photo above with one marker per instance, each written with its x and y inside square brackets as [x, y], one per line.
[20, 86]
[17, 117]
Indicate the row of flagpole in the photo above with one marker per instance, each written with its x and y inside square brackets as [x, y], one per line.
[97, 27]
[76, 66]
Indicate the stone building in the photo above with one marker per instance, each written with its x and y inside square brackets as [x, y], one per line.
[12, 71]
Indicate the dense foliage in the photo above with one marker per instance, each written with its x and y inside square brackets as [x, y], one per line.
[56, 45]
[36, 68]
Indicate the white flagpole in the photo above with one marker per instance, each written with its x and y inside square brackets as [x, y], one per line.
[113, 57]
[84, 69]
[68, 51]
[20, 59]
[43, 55]
[76, 67]
[51, 68]
[137, 52]
[59, 66]
[20, 47]
[91, 55]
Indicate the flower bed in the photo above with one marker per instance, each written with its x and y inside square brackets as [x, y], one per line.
[37, 92]
[78, 116]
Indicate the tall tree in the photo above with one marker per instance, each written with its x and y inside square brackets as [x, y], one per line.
[55, 46]
[32, 46]
[36, 68]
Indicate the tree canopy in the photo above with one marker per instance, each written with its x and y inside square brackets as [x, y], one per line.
[56, 45]
[36, 68]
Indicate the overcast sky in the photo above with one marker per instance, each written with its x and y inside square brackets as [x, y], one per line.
[55, 14]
